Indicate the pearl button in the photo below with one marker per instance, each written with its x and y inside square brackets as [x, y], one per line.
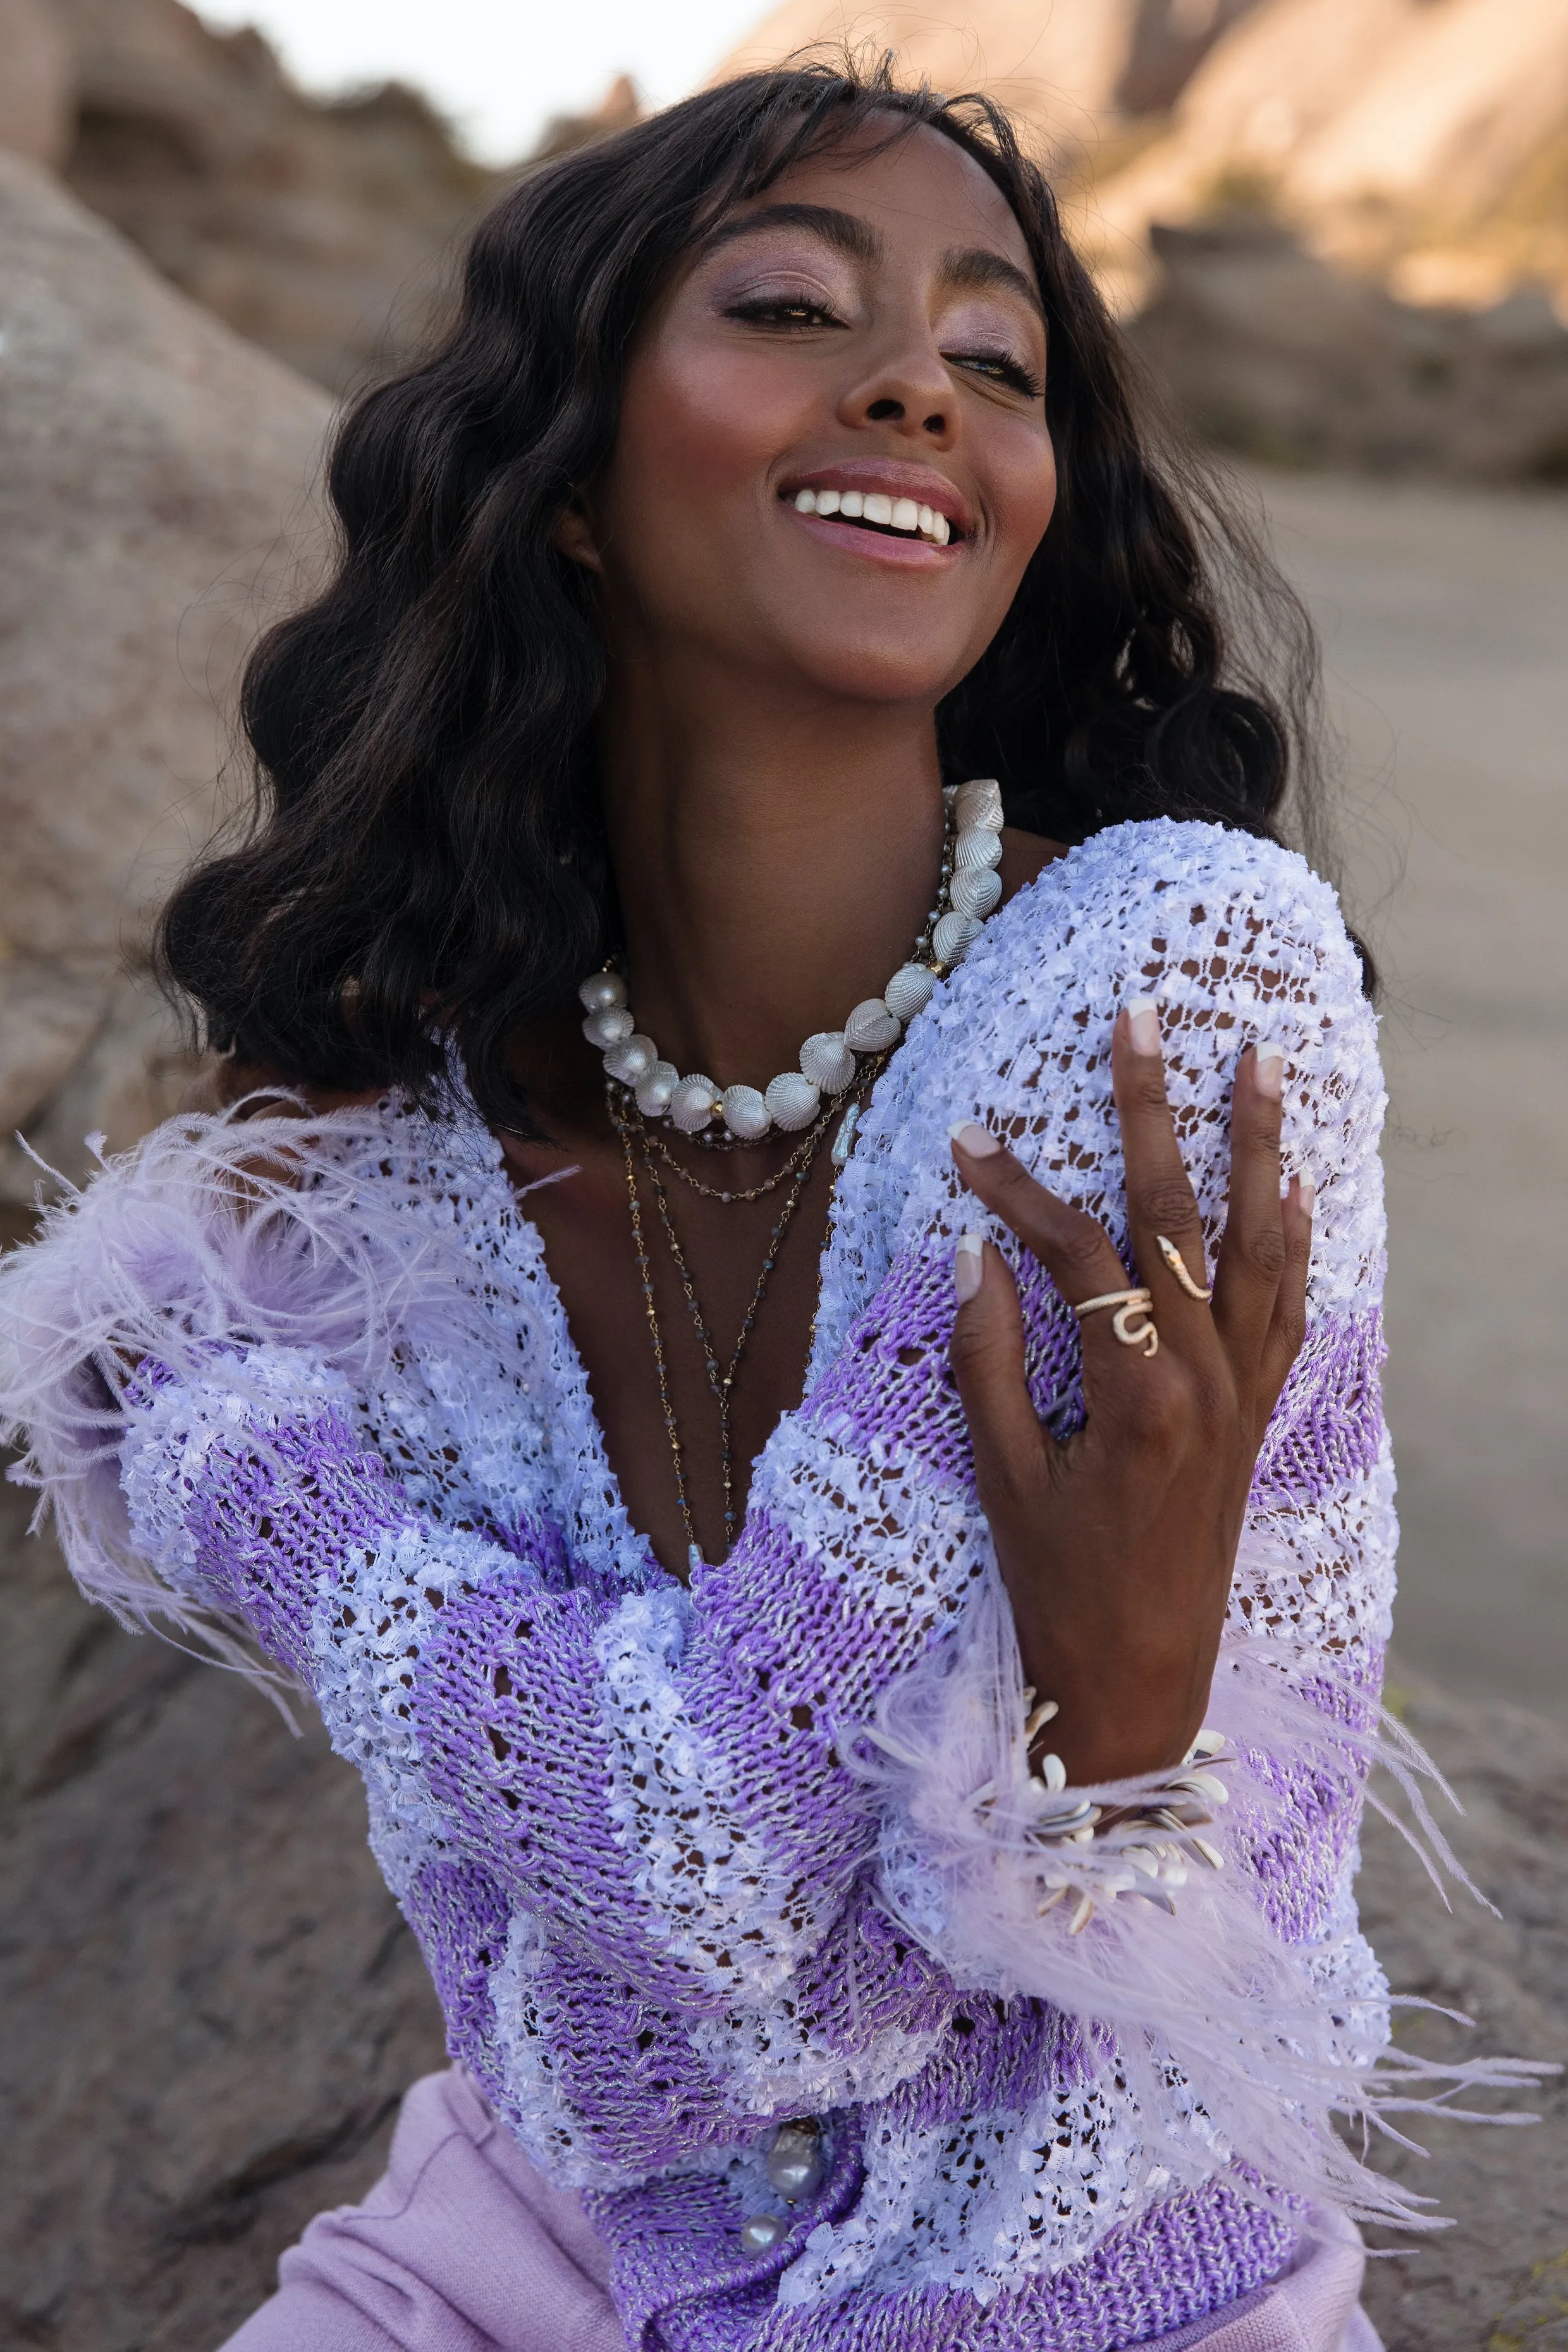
[762, 2232]
[793, 2162]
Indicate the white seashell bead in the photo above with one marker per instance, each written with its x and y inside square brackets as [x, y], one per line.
[871, 1027]
[601, 989]
[745, 1113]
[609, 1026]
[693, 1104]
[793, 1101]
[827, 1061]
[763, 2231]
[910, 991]
[978, 803]
[975, 891]
[976, 846]
[655, 1090]
[632, 1059]
[955, 936]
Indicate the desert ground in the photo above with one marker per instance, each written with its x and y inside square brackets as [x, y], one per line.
[1445, 614]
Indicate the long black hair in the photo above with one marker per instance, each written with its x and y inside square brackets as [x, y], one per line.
[423, 855]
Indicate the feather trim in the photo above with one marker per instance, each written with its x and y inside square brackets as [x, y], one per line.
[216, 1233]
[1181, 1973]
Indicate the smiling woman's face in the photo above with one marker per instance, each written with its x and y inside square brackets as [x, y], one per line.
[868, 332]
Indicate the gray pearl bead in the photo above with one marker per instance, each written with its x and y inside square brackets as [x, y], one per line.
[761, 2232]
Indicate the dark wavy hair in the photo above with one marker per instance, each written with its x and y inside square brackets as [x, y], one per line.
[423, 857]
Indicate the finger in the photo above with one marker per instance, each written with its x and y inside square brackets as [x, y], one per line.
[1074, 1248]
[1012, 1446]
[1288, 1323]
[1252, 1252]
[1161, 1204]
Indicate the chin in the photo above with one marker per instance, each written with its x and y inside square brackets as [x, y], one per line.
[878, 667]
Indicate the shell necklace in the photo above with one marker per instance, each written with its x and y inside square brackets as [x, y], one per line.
[793, 1100]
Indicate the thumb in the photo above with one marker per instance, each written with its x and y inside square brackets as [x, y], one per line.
[986, 1353]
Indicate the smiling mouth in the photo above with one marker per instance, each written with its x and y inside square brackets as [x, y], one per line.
[873, 511]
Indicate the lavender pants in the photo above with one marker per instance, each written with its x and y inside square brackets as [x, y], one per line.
[464, 2247]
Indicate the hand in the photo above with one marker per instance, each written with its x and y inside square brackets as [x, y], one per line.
[1118, 1546]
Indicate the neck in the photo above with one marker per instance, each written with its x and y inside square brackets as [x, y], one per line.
[775, 865]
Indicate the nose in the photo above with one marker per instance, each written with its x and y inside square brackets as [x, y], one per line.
[909, 388]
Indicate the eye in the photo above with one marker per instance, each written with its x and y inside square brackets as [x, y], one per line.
[999, 367]
[785, 311]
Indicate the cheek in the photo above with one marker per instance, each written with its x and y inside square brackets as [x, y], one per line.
[1025, 474]
[700, 428]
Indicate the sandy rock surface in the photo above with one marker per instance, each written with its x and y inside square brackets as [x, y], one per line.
[210, 2005]
[155, 483]
[37, 83]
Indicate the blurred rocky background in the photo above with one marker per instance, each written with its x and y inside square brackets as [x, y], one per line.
[1340, 228]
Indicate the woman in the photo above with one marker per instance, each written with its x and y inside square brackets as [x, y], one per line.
[863, 1647]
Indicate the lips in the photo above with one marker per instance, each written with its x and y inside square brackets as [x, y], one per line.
[913, 503]
[875, 510]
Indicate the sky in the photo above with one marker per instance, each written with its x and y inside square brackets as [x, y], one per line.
[500, 68]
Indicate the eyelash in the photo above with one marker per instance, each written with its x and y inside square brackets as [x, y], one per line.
[999, 366]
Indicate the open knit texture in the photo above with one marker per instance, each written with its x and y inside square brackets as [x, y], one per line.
[683, 1860]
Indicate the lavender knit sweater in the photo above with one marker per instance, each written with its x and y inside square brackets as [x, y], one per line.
[683, 1861]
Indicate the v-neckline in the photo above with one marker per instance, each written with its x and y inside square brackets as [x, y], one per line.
[532, 1265]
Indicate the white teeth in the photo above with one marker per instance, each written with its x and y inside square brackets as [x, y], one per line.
[876, 507]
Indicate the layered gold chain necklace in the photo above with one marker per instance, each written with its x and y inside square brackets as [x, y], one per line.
[837, 1072]
[637, 1143]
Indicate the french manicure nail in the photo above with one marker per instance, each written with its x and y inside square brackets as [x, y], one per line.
[1143, 1025]
[968, 1266]
[1307, 1193]
[971, 1137]
[1269, 1062]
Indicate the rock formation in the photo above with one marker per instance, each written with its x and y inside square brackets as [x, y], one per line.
[1274, 354]
[320, 231]
[155, 474]
[1422, 140]
[1085, 74]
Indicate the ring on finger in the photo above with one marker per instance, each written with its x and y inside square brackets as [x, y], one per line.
[1128, 1303]
[1178, 1265]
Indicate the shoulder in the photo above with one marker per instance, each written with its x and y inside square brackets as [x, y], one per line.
[1237, 941]
[1148, 898]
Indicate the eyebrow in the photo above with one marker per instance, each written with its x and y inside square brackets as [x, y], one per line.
[847, 233]
[977, 266]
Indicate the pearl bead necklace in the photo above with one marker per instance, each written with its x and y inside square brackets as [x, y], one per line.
[827, 1060]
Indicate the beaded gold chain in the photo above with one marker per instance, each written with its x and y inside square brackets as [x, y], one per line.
[804, 1150]
[635, 1143]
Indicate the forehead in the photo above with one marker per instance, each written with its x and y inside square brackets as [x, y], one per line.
[921, 188]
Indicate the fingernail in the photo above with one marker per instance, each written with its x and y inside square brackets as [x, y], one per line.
[977, 1140]
[968, 1266]
[1269, 1062]
[1307, 1193]
[1143, 1023]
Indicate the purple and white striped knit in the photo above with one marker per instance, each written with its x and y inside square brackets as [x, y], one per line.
[683, 1861]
